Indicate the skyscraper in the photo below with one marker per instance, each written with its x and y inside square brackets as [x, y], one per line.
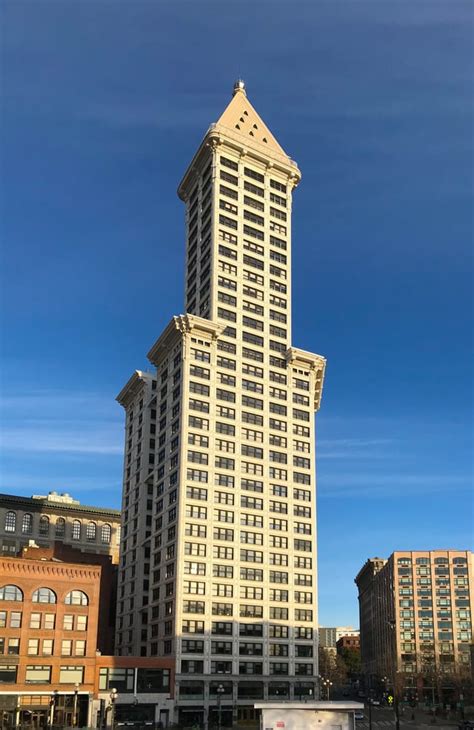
[218, 564]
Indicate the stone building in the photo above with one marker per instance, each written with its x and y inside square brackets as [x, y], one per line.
[218, 556]
[57, 518]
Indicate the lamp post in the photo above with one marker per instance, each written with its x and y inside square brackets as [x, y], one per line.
[325, 682]
[220, 692]
[113, 698]
[52, 707]
[74, 716]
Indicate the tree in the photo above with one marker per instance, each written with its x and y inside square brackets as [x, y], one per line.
[331, 666]
[351, 659]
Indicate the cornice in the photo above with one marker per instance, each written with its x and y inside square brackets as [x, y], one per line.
[47, 507]
[218, 135]
[25, 567]
[180, 326]
[133, 386]
[315, 363]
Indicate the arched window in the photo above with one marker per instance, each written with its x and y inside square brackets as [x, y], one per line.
[76, 530]
[10, 593]
[105, 534]
[77, 598]
[44, 595]
[91, 531]
[10, 522]
[44, 526]
[60, 527]
[27, 524]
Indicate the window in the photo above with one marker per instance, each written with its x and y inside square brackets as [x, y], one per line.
[66, 647]
[79, 649]
[71, 675]
[76, 598]
[76, 530]
[44, 595]
[10, 593]
[105, 534]
[223, 628]
[38, 674]
[121, 679]
[27, 524]
[33, 647]
[10, 522]
[91, 532]
[81, 623]
[44, 525]
[60, 527]
[49, 621]
[8, 674]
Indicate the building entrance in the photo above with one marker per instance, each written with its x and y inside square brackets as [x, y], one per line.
[33, 719]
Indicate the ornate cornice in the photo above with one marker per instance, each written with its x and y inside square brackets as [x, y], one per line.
[49, 569]
[316, 364]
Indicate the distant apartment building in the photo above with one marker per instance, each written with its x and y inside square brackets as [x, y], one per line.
[330, 635]
[58, 518]
[51, 672]
[416, 613]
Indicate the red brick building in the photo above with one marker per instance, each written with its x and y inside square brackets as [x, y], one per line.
[348, 642]
[51, 671]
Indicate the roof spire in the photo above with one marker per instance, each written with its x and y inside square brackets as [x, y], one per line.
[239, 86]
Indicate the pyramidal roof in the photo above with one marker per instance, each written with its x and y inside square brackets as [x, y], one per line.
[240, 125]
[240, 118]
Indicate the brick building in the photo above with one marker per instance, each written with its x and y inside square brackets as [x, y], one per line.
[51, 671]
[352, 643]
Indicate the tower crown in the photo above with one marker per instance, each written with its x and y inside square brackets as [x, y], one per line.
[239, 86]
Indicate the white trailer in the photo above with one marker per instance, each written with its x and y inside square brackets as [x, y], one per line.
[308, 715]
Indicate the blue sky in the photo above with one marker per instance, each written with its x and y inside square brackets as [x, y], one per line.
[104, 104]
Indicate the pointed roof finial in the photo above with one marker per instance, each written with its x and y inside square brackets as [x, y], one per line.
[239, 86]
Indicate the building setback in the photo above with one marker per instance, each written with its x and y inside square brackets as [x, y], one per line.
[416, 615]
[218, 554]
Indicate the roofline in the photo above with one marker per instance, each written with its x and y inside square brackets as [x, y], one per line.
[132, 387]
[32, 502]
[217, 135]
[176, 328]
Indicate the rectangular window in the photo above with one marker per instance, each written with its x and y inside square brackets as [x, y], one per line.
[38, 674]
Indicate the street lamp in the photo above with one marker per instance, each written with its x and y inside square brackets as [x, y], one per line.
[220, 692]
[76, 692]
[52, 705]
[325, 682]
[113, 698]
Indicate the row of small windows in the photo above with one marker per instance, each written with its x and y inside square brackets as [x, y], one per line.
[59, 527]
[253, 174]
[43, 595]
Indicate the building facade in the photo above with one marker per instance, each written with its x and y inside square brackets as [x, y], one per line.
[351, 643]
[49, 617]
[57, 518]
[218, 555]
[51, 672]
[416, 614]
[330, 635]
